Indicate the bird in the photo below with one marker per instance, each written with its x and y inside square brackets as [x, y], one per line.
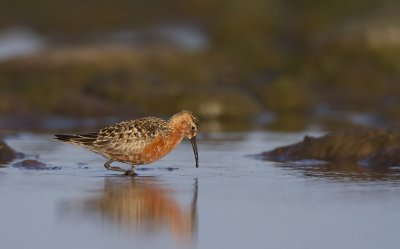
[140, 141]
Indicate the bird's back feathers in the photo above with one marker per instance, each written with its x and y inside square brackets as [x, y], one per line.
[126, 137]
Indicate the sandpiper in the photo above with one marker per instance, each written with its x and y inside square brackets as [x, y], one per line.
[140, 141]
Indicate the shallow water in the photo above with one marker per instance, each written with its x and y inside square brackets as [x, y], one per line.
[231, 201]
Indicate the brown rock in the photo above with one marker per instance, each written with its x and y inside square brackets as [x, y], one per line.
[373, 145]
[387, 157]
[6, 153]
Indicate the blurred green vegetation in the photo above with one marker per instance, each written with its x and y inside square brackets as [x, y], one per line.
[290, 58]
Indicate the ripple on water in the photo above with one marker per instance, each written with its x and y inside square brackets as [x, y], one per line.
[344, 172]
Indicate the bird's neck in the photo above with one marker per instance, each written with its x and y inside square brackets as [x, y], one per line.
[177, 129]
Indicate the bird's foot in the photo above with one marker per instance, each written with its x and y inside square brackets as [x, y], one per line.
[130, 173]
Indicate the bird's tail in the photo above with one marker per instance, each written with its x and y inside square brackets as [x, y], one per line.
[86, 140]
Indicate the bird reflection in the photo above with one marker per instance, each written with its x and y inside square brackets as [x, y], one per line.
[142, 205]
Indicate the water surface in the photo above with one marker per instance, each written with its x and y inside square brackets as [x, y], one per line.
[231, 201]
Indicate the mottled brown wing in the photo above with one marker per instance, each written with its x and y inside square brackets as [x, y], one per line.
[129, 137]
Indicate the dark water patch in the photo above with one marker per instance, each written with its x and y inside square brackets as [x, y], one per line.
[31, 164]
[171, 168]
[144, 169]
[147, 168]
[82, 165]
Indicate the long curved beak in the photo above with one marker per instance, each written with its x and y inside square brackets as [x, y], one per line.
[196, 154]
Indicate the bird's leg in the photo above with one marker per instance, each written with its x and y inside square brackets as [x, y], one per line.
[131, 172]
[108, 166]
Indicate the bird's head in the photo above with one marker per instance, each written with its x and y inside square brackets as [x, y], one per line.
[186, 124]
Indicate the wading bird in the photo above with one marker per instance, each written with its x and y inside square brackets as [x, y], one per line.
[140, 141]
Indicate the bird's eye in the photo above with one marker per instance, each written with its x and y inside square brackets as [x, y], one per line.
[193, 128]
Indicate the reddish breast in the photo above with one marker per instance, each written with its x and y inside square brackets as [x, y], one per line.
[159, 147]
